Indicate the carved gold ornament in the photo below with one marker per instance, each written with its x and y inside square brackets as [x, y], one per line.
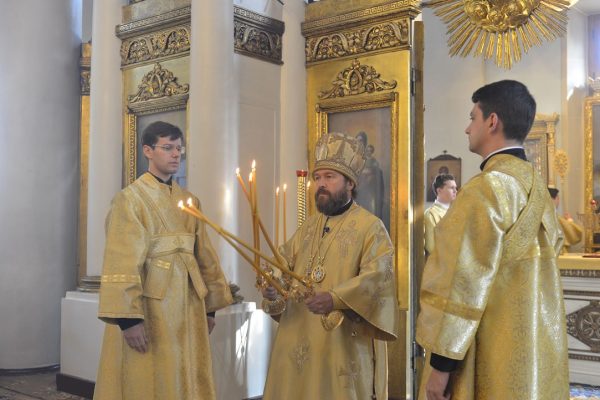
[500, 27]
[158, 83]
[561, 163]
[357, 79]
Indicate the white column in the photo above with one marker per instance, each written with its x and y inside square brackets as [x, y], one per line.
[38, 209]
[106, 126]
[213, 120]
[294, 132]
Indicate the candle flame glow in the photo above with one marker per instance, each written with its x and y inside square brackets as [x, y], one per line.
[284, 187]
[189, 202]
[180, 204]
[277, 190]
[253, 164]
[237, 171]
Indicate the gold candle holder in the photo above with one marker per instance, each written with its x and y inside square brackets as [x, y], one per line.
[301, 195]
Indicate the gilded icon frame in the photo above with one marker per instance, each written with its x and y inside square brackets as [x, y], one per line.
[540, 146]
[328, 108]
[591, 129]
[131, 138]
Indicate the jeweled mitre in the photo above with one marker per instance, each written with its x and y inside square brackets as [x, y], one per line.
[342, 153]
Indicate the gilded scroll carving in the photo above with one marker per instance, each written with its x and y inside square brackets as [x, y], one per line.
[257, 41]
[155, 45]
[355, 80]
[381, 36]
[158, 83]
[256, 35]
[584, 324]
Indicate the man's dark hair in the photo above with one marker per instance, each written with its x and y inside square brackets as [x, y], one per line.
[354, 191]
[553, 192]
[440, 181]
[158, 129]
[513, 104]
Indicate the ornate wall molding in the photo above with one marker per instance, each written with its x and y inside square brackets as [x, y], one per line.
[158, 91]
[85, 68]
[351, 42]
[156, 45]
[580, 273]
[371, 14]
[144, 26]
[357, 79]
[258, 36]
[584, 357]
[584, 325]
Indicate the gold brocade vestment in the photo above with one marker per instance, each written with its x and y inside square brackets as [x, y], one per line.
[572, 231]
[491, 296]
[433, 215]
[349, 362]
[159, 266]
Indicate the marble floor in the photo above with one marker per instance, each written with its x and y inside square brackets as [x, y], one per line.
[34, 386]
[42, 386]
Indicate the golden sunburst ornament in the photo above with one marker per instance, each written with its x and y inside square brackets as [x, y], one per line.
[501, 27]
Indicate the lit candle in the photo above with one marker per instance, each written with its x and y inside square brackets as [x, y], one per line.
[284, 210]
[242, 185]
[277, 217]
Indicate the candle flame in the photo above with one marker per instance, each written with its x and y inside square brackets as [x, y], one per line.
[284, 187]
[237, 171]
[189, 202]
[253, 164]
[277, 190]
[180, 204]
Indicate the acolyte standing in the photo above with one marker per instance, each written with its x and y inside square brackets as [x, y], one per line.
[160, 278]
[492, 311]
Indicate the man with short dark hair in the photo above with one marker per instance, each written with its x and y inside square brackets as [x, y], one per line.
[332, 346]
[159, 279]
[444, 187]
[492, 311]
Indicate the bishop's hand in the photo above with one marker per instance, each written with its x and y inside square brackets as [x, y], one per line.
[320, 303]
[269, 293]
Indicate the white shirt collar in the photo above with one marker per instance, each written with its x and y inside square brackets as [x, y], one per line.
[443, 205]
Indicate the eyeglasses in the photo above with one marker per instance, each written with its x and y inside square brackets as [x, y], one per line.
[169, 148]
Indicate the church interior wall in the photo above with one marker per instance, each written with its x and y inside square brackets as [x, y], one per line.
[39, 137]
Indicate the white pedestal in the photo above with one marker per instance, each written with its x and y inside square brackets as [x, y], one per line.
[80, 335]
[240, 345]
[581, 287]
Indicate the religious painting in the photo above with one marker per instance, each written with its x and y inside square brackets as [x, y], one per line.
[371, 121]
[176, 118]
[442, 164]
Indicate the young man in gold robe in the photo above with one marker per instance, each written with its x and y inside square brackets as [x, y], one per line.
[348, 253]
[492, 316]
[160, 278]
[444, 187]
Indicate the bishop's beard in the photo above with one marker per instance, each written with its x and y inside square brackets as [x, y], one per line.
[331, 202]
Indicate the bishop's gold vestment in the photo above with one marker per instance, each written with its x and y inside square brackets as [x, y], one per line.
[433, 215]
[492, 296]
[349, 362]
[159, 266]
[573, 232]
